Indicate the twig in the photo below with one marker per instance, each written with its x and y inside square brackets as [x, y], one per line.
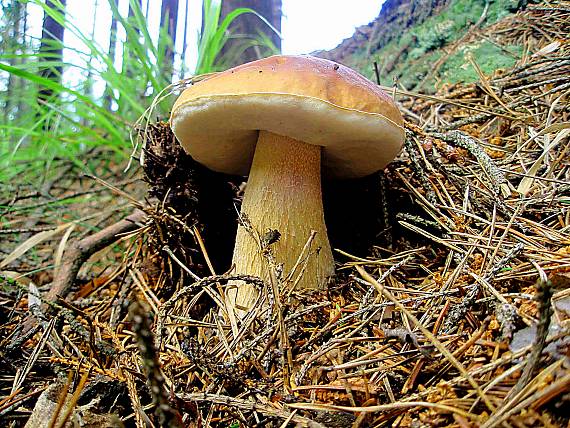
[429, 335]
[250, 406]
[458, 138]
[204, 282]
[78, 252]
[544, 297]
[166, 416]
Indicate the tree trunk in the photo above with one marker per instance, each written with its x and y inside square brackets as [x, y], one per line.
[168, 22]
[184, 43]
[13, 42]
[108, 94]
[21, 106]
[249, 25]
[132, 10]
[88, 88]
[127, 67]
[51, 49]
[129, 61]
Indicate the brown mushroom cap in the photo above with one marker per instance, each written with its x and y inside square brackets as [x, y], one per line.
[309, 99]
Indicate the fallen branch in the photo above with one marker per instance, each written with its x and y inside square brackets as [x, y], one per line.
[80, 251]
[544, 297]
[460, 139]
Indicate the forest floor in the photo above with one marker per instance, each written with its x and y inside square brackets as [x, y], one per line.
[456, 313]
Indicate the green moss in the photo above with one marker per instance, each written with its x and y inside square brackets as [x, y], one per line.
[425, 41]
[488, 57]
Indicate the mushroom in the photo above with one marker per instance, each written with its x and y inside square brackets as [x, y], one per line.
[277, 120]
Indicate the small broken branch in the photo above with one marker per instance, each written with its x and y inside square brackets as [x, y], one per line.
[544, 297]
[468, 143]
[80, 251]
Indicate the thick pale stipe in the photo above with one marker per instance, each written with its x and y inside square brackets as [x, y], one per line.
[284, 193]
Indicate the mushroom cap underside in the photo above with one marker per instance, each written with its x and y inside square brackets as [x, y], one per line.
[309, 99]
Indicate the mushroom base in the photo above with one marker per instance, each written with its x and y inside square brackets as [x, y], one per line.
[283, 193]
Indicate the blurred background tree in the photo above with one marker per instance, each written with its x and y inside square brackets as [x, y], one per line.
[168, 22]
[50, 56]
[12, 25]
[88, 94]
[250, 27]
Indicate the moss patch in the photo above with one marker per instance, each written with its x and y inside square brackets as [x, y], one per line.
[488, 57]
[421, 46]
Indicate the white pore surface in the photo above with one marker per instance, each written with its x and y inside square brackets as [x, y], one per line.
[221, 131]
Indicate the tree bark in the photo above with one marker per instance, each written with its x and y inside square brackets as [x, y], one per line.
[132, 10]
[51, 49]
[129, 62]
[249, 25]
[112, 51]
[126, 46]
[127, 68]
[184, 43]
[88, 88]
[168, 22]
[13, 42]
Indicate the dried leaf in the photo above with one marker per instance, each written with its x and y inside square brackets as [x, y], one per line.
[548, 49]
[31, 243]
[526, 183]
[62, 244]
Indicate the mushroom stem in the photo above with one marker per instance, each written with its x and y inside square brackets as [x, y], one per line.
[283, 193]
